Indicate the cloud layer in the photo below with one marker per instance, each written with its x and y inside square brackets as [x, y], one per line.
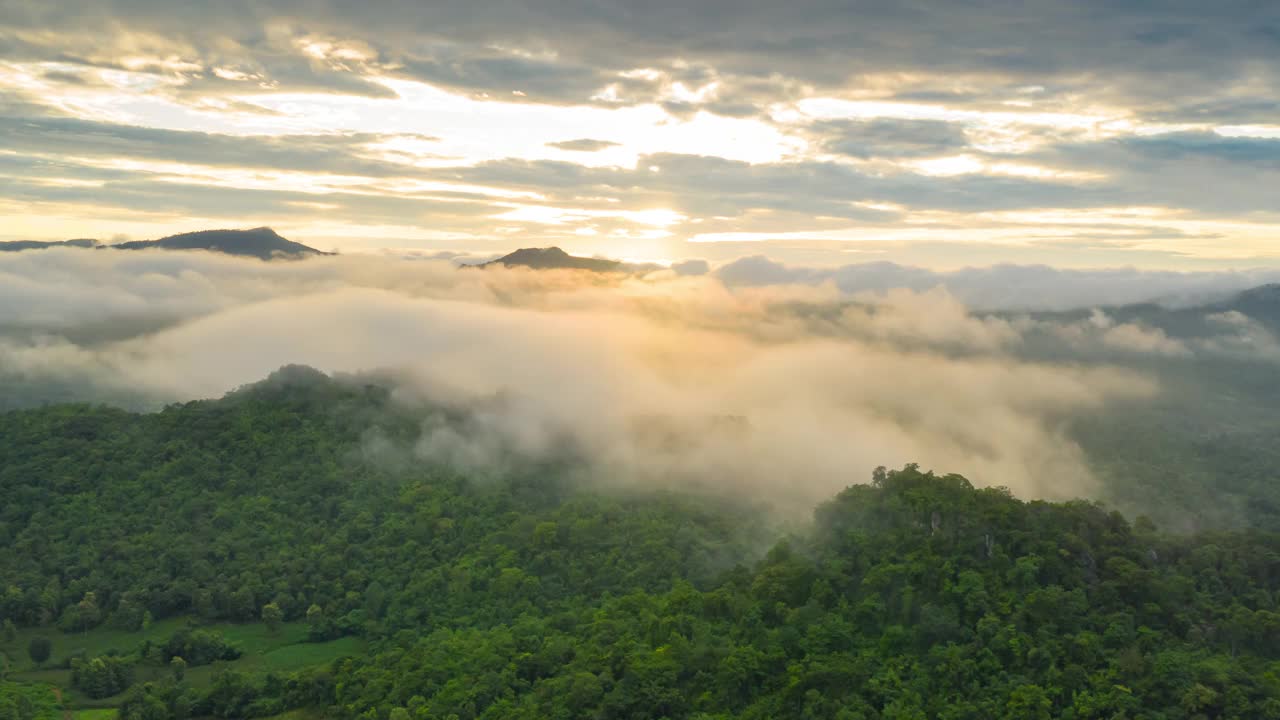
[789, 391]
[1008, 287]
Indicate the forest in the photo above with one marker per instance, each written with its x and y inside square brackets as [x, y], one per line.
[160, 565]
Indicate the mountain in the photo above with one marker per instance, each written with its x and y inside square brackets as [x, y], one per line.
[16, 245]
[1203, 451]
[553, 258]
[263, 243]
[1261, 303]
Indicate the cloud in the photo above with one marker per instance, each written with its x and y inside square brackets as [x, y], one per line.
[1135, 338]
[1101, 333]
[337, 153]
[709, 188]
[789, 392]
[1205, 172]
[1261, 152]
[1149, 56]
[937, 123]
[582, 145]
[939, 117]
[1008, 287]
[1241, 337]
[691, 267]
[505, 76]
[890, 138]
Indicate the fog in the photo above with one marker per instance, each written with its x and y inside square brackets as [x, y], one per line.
[786, 391]
[1011, 287]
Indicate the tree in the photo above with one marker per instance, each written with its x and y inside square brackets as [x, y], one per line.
[39, 649]
[154, 701]
[90, 614]
[200, 647]
[241, 604]
[101, 677]
[272, 616]
[129, 612]
[316, 628]
[179, 668]
[10, 631]
[375, 599]
[1029, 702]
[82, 616]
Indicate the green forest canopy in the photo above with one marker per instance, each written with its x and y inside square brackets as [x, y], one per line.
[526, 596]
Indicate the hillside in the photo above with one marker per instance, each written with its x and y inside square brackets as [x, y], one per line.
[1204, 453]
[528, 595]
[1260, 303]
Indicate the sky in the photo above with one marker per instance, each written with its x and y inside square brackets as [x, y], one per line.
[817, 133]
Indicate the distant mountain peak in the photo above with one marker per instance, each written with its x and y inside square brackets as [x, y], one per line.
[17, 245]
[554, 258]
[1262, 304]
[542, 254]
[260, 242]
[1263, 293]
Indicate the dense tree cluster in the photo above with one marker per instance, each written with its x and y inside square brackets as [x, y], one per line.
[1188, 473]
[914, 596]
[231, 695]
[101, 677]
[917, 597]
[198, 647]
[214, 509]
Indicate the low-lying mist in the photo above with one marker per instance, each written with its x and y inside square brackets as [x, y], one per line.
[788, 392]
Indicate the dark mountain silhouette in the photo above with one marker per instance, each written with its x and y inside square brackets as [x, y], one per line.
[1261, 303]
[553, 258]
[16, 245]
[263, 243]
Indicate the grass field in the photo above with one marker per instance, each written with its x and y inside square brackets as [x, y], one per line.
[94, 714]
[95, 642]
[283, 651]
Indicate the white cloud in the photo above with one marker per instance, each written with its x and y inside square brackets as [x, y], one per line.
[790, 391]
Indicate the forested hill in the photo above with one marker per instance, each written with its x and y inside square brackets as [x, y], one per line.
[524, 596]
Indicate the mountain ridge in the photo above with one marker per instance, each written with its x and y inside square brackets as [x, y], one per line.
[263, 243]
[554, 258]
